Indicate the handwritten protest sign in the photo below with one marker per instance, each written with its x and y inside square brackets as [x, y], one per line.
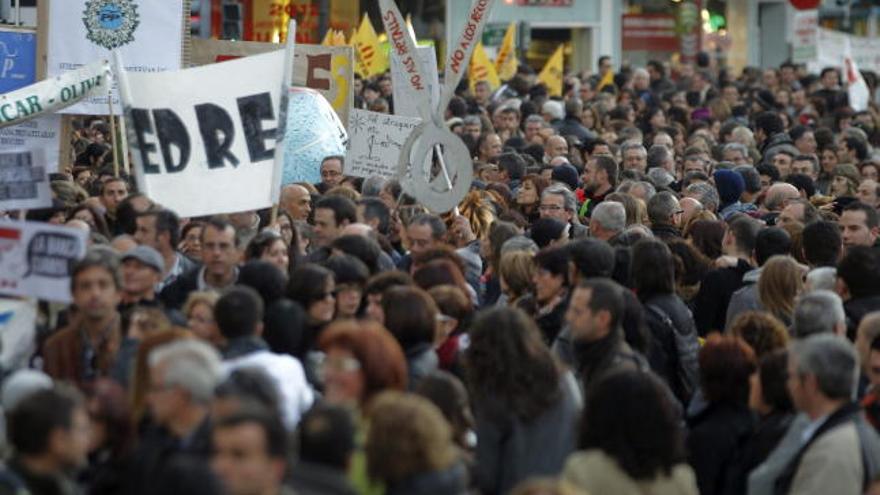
[203, 139]
[376, 141]
[326, 69]
[53, 94]
[36, 259]
[149, 36]
[24, 182]
[40, 133]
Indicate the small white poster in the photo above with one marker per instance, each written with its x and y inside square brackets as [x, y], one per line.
[375, 143]
[41, 133]
[24, 182]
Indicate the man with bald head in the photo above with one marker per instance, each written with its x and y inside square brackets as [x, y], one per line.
[690, 207]
[555, 146]
[296, 201]
[778, 197]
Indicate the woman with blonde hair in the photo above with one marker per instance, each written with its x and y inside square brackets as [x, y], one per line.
[199, 312]
[517, 271]
[782, 280]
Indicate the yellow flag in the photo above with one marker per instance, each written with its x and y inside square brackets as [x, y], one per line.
[506, 62]
[338, 38]
[551, 74]
[369, 58]
[328, 38]
[481, 69]
[607, 80]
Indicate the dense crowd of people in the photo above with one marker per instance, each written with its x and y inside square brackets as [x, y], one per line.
[668, 284]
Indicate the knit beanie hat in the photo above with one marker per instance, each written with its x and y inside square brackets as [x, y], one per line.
[730, 185]
[566, 174]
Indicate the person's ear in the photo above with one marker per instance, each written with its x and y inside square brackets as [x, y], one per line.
[258, 329]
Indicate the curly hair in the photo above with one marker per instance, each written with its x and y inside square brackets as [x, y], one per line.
[761, 330]
[477, 207]
[408, 435]
[629, 417]
[507, 359]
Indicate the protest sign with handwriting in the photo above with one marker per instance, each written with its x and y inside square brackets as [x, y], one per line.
[375, 143]
[203, 139]
[36, 259]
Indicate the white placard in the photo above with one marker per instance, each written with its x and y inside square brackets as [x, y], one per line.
[805, 39]
[375, 143]
[40, 133]
[203, 139]
[148, 34]
[832, 49]
[405, 102]
[24, 182]
[36, 259]
[18, 331]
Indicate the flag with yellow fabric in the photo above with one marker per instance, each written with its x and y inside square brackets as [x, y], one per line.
[328, 38]
[506, 62]
[551, 74]
[369, 58]
[481, 69]
[607, 80]
[338, 38]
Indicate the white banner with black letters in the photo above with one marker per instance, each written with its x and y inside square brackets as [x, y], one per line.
[203, 139]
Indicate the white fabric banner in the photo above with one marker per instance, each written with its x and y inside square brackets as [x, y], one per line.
[37, 259]
[148, 33]
[832, 50]
[54, 94]
[203, 139]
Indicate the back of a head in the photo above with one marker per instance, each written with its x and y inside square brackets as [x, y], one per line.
[326, 436]
[769, 242]
[833, 362]
[592, 257]
[31, 424]
[265, 278]
[239, 312]
[820, 311]
[822, 243]
[192, 365]
[611, 215]
[860, 270]
[769, 122]
[661, 207]
[409, 315]
[821, 278]
[745, 231]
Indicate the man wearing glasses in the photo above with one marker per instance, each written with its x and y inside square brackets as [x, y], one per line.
[331, 173]
[559, 202]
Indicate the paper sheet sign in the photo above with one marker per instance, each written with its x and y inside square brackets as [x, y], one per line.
[326, 69]
[375, 143]
[203, 139]
[36, 259]
[24, 182]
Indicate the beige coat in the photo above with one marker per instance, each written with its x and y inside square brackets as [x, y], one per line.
[599, 474]
[831, 465]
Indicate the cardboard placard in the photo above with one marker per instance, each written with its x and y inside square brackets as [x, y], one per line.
[24, 182]
[36, 259]
[376, 141]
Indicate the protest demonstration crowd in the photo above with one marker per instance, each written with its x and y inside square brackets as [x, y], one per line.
[661, 280]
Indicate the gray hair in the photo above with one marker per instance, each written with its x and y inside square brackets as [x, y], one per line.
[819, 311]
[519, 243]
[629, 145]
[554, 108]
[661, 207]
[536, 118]
[734, 146]
[569, 199]
[191, 365]
[611, 215]
[822, 278]
[658, 155]
[705, 193]
[832, 360]
[373, 186]
[660, 177]
[473, 120]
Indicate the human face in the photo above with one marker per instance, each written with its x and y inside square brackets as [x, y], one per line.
[509, 120]
[145, 233]
[114, 192]
[297, 202]
[584, 323]
[138, 279]
[556, 146]
[326, 228]
[474, 130]
[321, 310]
[830, 79]
[730, 95]
[553, 206]
[84, 178]
[867, 192]
[71, 445]
[482, 92]
[344, 381]
[803, 167]
[782, 162]
[839, 186]
[635, 159]
[658, 120]
[276, 254]
[491, 147]
[374, 308]
[532, 130]
[855, 231]
[192, 243]
[95, 293]
[547, 285]
[242, 462]
[793, 213]
[527, 194]
[691, 165]
[87, 217]
[828, 160]
[385, 86]
[869, 172]
[201, 321]
[331, 173]
[420, 238]
[218, 250]
[285, 228]
[806, 144]
[348, 300]
[795, 384]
